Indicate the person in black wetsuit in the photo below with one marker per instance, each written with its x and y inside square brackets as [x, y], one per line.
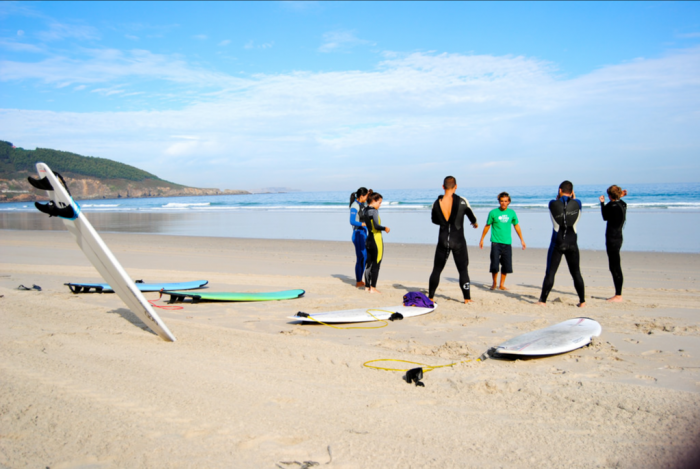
[375, 243]
[449, 211]
[565, 212]
[615, 213]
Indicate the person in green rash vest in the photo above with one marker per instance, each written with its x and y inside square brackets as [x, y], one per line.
[501, 219]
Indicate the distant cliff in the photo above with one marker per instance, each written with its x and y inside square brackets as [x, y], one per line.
[87, 177]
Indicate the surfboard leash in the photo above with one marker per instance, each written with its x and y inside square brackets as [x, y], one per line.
[413, 375]
[360, 327]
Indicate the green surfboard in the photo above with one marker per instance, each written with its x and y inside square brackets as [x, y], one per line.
[196, 297]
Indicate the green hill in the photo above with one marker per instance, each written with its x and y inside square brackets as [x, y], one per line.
[88, 177]
[14, 161]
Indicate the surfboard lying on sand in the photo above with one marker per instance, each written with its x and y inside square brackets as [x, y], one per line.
[559, 338]
[143, 287]
[63, 206]
[176, 296]
[362, 314]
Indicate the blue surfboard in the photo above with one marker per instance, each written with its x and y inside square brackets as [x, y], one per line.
[144, 287]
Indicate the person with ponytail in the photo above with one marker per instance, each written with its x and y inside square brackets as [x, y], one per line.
[615, 213]
[359, 231]
[375, 243]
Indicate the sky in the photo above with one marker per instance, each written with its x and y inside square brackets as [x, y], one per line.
[338, 95]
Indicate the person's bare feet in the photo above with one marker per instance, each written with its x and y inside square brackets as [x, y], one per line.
[503, 288]
[539, 303]
[493, 287]
[360, 284]
[373, 290]
[581, 305]
[615, 299]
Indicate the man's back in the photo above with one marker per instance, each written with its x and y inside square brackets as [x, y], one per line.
[565, 213]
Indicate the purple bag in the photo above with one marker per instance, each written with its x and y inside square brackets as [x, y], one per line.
[416, 298]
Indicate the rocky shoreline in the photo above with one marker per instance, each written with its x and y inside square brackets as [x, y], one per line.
[87, 188]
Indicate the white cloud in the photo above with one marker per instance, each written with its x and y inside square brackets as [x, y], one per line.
[20, 33]
[131, 37]
[225, 42]
[105, 65]
[505, 117]
[251, 45]
[201, 37]
[689, 35]
[58, 31]
[341, 40]
[80, 87]
[20, 46]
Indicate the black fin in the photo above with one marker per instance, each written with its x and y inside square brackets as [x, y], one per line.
[42, 183]
[138, 281]
[63, 182]
[301, 314]
[53, 211]
[414, 376]
[396, 317]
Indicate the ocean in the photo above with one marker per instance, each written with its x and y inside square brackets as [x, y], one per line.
[660, 217]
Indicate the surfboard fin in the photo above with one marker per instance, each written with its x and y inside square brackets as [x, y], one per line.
[42, 183]
[53, 211]
[396, 317]
[414, 375]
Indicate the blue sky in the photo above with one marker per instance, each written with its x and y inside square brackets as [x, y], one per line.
[322, 95]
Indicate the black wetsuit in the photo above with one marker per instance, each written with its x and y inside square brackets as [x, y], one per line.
[375, 245]
[565, 213]
[615, 213]
[452, 239]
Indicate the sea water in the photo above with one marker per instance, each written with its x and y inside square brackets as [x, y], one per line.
[660, 217]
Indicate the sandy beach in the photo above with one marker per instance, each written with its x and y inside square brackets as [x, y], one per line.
[84, 384]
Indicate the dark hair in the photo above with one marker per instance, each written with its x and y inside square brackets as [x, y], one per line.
[449, 183]
[615, 192]
[567, 187]
[374, 197]
[503, 194]
[360, 192]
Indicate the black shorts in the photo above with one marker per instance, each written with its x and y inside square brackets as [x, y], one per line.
[501, 254]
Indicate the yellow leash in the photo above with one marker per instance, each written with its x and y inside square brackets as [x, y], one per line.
[358, 327]
[426, 368]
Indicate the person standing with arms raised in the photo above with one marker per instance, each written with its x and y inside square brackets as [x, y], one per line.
[565, 212]
[615, 213]
[448, 212]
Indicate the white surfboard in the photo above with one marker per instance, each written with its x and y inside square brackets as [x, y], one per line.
[563, 337]
[363, 314]
[100, 256]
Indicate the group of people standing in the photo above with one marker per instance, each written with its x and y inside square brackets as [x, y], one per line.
[449, 212]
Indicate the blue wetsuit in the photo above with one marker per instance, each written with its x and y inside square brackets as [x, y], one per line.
[359, 238]
[565, 213]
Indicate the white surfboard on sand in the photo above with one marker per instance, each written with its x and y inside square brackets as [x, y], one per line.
[362, 314]
[559, 338]
[96, 250]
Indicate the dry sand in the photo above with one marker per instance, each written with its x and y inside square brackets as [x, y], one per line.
[85, 385]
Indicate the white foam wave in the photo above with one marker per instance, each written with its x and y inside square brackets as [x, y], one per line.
[183, 205]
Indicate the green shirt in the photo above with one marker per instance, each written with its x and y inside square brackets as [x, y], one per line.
[500, 221]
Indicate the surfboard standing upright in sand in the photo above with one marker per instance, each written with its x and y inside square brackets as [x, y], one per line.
[63, 206]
